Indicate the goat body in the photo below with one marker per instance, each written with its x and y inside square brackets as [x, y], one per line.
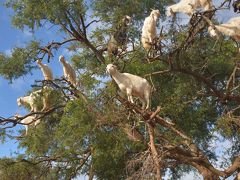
[131, 85]
[30, 100]
[112, 47]
[45, 97]
[189, 6]
[149, 32]
[206, 4]
[27, 100]
[231, 28]
[68, 71]
[47, 72]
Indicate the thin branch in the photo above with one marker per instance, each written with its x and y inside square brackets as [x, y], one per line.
[94, 21]
[83, 26]
[158, 72]
[4, 121]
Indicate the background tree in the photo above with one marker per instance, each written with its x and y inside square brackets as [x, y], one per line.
[92, 129]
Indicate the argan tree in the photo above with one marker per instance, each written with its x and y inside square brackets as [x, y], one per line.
[92, 129]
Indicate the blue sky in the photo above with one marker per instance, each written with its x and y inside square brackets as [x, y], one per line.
[10, 38]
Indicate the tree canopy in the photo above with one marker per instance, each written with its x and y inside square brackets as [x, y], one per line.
[92, 129]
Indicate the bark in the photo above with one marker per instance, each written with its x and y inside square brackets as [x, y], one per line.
[132, 133]
[81, 36]
[94, 50]
[187, 152]
[206, 173]
[154, 152]
[91, 174]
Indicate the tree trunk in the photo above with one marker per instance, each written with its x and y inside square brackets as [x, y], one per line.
[154, 152]
[210, 176]
[91, 174]
[207, 174]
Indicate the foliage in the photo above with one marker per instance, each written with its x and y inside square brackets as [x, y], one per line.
[21, 170]
[20, 62]
[88, 131]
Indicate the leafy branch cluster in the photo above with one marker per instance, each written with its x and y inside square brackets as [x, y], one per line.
[94, 130]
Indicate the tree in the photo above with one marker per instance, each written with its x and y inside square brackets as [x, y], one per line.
[93, 130]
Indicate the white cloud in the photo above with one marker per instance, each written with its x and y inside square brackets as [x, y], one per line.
[27, 33]
[68, 53]
[8, 52]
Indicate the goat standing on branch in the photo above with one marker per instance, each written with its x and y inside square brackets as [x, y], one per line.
[231, 28]
[188, 6]
[46, 98]
[149, 32]
[29, 100]
[119, 38]
[47, 72]
[131, 85]
[68, 71]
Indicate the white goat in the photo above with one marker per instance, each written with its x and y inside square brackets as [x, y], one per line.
[189, 6]
[26, 100]
[131, 85]
[149, 32]
[30, 100]
[231, 28]
[27, 121]
[47, 72]
[45, 98]
[68, 71]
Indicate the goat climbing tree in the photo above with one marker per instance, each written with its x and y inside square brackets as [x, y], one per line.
[92, 129]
